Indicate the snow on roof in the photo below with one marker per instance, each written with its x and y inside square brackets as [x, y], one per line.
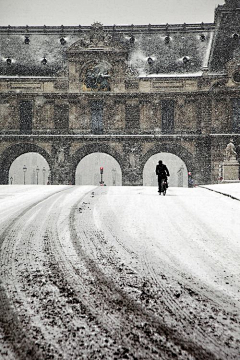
[179, 53]
[183, 52]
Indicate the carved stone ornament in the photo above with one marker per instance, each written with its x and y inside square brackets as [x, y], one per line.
[97, 77]
[131, 73]
[236, 74]
[97, 38]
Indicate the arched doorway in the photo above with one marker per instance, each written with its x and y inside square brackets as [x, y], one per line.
[30, 168]
[177, 169]
[88, 170]
[11, 153]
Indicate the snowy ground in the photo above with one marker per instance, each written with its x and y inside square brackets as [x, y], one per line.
[119, 273]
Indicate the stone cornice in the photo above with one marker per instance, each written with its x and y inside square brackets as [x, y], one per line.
[62, 30]
[124, 95]
[109, 137]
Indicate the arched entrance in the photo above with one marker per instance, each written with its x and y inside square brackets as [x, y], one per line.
[178, 155]
[176, 166]
[13, 152]
[88, 170]
[29, 168]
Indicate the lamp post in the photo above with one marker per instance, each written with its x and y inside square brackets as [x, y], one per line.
[44, 173]
[190, 180]
[101, 173]
[37, 170]
[24, 174]
[114, 176]
[49, 178]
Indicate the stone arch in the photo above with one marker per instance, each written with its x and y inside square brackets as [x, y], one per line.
[175, 149]
[94, 148]
[13, 152]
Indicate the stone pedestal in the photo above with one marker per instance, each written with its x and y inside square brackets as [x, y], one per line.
[231, 170]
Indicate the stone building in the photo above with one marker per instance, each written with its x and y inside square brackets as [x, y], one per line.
[128, 91]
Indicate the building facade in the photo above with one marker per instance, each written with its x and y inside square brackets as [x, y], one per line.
[128, 91]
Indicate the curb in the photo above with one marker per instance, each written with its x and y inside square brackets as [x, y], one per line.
[219, 192]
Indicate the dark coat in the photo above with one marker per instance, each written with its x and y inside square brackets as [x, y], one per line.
[162, 171]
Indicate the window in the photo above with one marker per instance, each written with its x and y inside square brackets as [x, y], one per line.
[168, 116]
[26, 115]
[97, 117]
[236, 115]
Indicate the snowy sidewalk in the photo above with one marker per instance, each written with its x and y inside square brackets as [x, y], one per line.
[232, 190]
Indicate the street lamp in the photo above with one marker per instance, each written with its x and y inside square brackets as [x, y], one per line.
[190, 180]
[44, 173]
[49, 177]
[114, 176]
[101, 173]
[37, 170]
[24, 174]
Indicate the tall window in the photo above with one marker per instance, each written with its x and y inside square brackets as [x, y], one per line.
[168, 116]
[26, 115]
[236, 115]
[97, 117]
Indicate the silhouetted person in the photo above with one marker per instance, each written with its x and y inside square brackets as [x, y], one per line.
[162, 173]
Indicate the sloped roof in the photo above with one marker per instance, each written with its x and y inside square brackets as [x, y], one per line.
[186, 52]
[227, 35]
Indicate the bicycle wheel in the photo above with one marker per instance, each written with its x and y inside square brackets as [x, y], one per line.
[163, 187]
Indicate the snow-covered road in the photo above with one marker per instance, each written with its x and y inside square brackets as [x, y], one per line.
[119, 273]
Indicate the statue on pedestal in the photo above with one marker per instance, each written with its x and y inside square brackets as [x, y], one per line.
[231, 151]
[61, 156]
[230, 166]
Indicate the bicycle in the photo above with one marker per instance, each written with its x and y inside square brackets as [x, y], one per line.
[163, 187]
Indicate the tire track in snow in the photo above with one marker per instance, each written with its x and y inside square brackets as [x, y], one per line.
[139, 310]
[10, 319]
[211, 339]
[65, 292]
[68, 264]
[167, 296]
[205, 231]
[105, 293]
[65, 264]
[208, 319]
[66, 276]
[50, 346]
